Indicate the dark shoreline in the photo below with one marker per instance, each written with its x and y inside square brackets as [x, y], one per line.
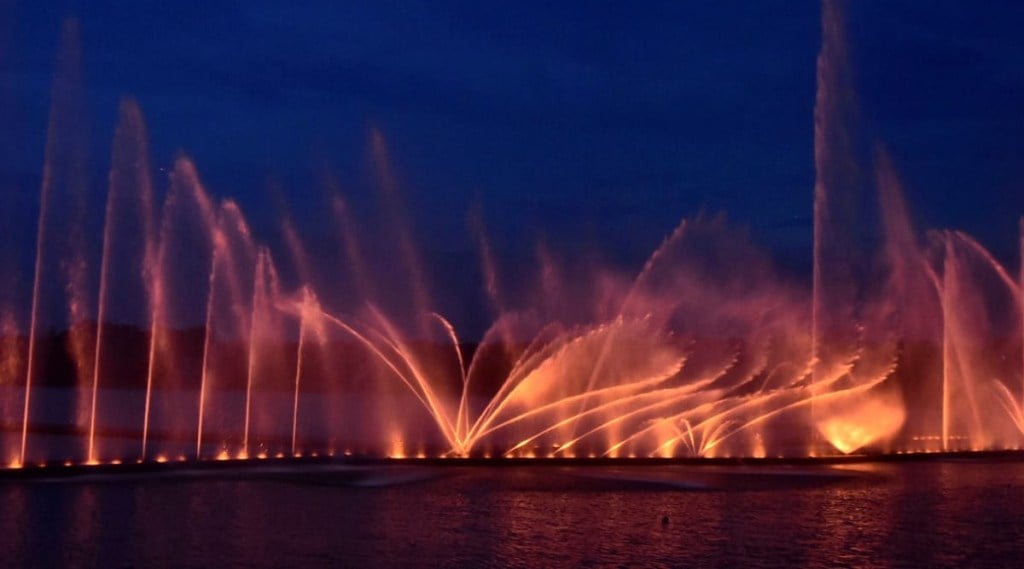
[62, 471]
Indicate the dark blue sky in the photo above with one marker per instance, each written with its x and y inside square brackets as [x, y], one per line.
[597, 125]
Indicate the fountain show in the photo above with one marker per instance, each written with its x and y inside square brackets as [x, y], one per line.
[676, 284]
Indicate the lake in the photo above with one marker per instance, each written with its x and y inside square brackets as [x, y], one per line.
[892, 514]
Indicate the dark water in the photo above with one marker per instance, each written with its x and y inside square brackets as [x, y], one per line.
[930, 514]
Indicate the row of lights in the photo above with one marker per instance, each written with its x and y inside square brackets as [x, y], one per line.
[939, 438]
[224, 455]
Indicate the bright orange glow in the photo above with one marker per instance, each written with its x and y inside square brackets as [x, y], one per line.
[759, 450]
[856, 424]
[709, 350]
[397, 447]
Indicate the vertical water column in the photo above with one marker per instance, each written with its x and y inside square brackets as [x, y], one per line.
[841, 240]
[61, 295]
[15, 235]
[270, 373]
[225, 365]
[180, 294]
[400, 227]
[126, 265]
[981, 344]
[306, 307]
[411, 302]
[257, 308]
[914, 289]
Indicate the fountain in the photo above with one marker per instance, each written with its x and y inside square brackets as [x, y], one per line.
[180, 340]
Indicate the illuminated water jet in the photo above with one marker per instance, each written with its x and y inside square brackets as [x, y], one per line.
[900, 343]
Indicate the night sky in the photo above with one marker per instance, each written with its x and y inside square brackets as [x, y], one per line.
[594, 126]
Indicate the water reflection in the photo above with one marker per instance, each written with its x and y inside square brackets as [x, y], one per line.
[919, 514]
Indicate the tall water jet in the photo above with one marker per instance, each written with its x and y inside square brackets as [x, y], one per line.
[399, 225]
[258, 305]
[853, 340]
[270, 368]
[13, 256]
[227, 329]
[129, 245]
[709, 351]
[204, 368]
[307, 304]
[911, 288]
[834, 297]
[156, 302]
[356, 267]
[311, 327]
[349, 243]
[981, 339]
[63, 186]
[184, 259]
[12, 355]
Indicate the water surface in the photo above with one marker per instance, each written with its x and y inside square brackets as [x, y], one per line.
[942, 513]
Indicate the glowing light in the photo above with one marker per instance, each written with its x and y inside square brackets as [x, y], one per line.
[854, 424]
[397, 447]
[706, 352]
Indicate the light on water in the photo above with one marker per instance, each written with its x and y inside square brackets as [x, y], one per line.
[911, 343]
